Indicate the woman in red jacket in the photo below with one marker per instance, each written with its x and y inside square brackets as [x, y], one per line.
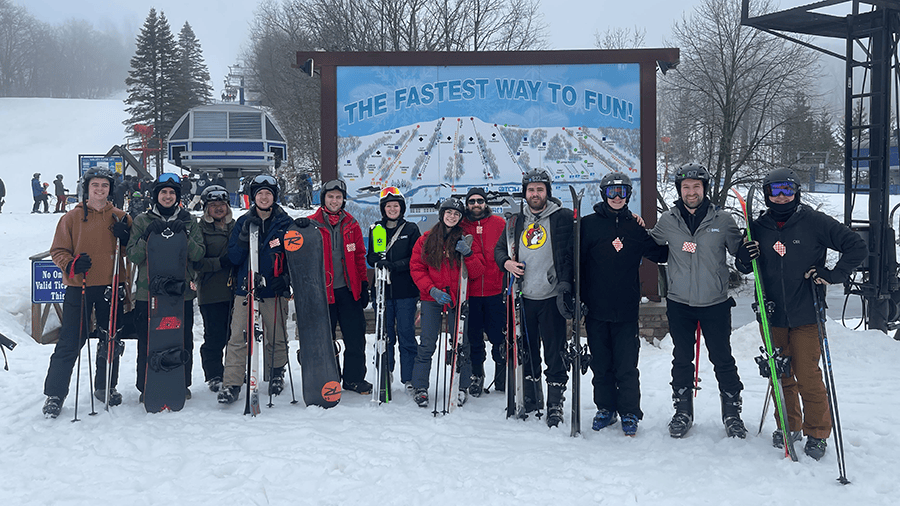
[435, 264]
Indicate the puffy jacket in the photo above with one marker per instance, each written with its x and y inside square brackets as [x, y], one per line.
[36, 189]
[427, 277]
[354, 253]
[214, 284]
[401, 285]
[94, 237]
[698, 278]
[137, 249]
[486, 231]
[805, 237]
[59, 187]
[610, 280]
[272, 228]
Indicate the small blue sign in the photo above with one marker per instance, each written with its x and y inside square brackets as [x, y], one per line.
[46, 282]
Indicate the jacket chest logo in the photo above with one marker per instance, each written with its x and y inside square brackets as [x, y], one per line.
[690, 247]
[479, 229]
[779, 248]
[534, 236]
[617, 244]
[351, 247]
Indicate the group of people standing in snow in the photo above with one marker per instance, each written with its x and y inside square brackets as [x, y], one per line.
[693, 237]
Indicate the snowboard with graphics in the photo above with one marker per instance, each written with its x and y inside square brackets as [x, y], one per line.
[321, 380]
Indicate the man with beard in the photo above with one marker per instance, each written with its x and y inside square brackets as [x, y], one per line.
[698, 235]
[544, 242]
[486, 309]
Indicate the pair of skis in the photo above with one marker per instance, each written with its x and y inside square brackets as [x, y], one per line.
[453, 350]
[254, 331]
[577, 360]
[382, 391]
[515, 373]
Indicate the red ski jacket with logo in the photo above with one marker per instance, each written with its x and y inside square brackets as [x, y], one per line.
[354, 253]
[486, 232]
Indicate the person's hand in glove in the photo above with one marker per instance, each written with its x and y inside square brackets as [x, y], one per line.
[364, 295]
[302, 222]
[826, 277]
[155, 227]
[225, 262]
[278, 284]
[565, 302]
[121, 231]
[463, 247]
[79, 265]
[440, 296]
[747, 252]
[383, 264]
[176, 226]
[244, 234]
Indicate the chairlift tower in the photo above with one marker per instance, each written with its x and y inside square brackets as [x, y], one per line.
[871, 31]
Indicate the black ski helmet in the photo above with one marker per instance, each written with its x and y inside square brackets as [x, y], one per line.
[91, 174]
[779, 176]
[691, 171]
[392, 194]
[263, 181]
[59, 176]
[537, 176]
[167, 180]
[616, 178]
[451, 203]
[214, 193]
[334, 184]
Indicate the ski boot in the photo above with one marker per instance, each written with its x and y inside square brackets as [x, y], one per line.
[629, 424]
[361, 387]
[462, 397]
[276, 382]
[534, 395]
[815, 447]
[421, 397]
[778, 438]
[604, 418]
[115, 398]
[684, 413]
[52, 406]
[555, 400]
[228, 395]
[477, 387]
[500, 377]
[214, 384]
[731, 415]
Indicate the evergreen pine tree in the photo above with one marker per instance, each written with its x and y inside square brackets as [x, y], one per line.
[193, 85]
[151, 82]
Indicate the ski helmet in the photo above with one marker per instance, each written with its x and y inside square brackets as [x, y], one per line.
[167, 180]
[59, 176]
[334, 184]
[780, 176]
[451, 203]
[691, 171]
[91, 174]
[36, 175]
[263, 181]
[616, 179]
[537, 176]
[392, 194]
[214, 193]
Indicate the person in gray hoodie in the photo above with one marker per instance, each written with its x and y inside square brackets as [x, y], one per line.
[698, 235]
[544, 242]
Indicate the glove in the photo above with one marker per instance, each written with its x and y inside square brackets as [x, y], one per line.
[364, 295]
[302, 222]
[176, 226]
[827, 276]
[244, 235]
[155, 227]
[277, 284]
[748, 252]
[80, 265]
[122, 231]
[439, 296]
[463, 247]
[565, 303]
[225, 262]
[383, 264]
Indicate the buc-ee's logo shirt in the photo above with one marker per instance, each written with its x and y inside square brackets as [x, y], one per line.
[534, 236]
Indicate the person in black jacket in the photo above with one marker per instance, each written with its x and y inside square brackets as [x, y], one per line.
[401, 294]
[790, 241]
[612, 245]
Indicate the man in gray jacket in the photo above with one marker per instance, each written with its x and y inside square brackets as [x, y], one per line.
[698, 235]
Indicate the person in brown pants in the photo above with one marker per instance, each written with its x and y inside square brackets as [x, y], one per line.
[790, 244]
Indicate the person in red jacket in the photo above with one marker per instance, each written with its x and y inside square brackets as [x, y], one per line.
[487, 313]
[435, 264]
[346, 281]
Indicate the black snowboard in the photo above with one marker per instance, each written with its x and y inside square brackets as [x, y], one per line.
[164, 387]
[321, 379]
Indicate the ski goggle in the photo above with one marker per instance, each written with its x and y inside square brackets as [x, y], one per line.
[390, 190]
[169, 177]
[265, 179]
[617, 190]
[217, 196]
[335, 184]
[786, 188]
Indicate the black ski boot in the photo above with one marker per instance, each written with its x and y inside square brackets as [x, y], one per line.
[815, 447]
[778, 438]
[115, 398]
[534, 395]
[52, 406]
[731, 415]
[228, 395]
[500, 377]
[684, 413]
[276, 382]
[477, 386]
[214, 384]
[421, 397]
[555, 401]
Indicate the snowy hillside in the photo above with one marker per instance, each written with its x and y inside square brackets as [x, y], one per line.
[359, 453]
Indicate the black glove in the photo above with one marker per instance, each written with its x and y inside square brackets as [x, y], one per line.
[565, 302]
[277, 284]
[302, 222]
[364, 295]
[176, 226]
[122, 231]
[463, 247]
[748, 252]
[383, 264]
[225, 262]
[155, 227]
[828, 275]
[82, 263]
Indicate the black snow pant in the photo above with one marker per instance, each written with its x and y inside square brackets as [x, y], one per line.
[141, 322]
[216, 331]
[614, 362]
[487, 315]
[62, 362]
[349, 313]
[715, 325]
[544, 324]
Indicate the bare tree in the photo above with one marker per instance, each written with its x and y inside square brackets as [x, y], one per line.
[620, 38]
[731, 93]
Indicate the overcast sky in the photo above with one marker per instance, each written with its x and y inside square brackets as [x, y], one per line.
[222, 25]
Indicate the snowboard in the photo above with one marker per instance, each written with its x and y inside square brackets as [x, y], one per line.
[164, 386]
[319, 371]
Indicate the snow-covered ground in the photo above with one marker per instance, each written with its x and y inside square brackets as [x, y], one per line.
[359, 453]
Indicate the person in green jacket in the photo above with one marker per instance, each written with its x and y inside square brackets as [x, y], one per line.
[164, 213]
[215, 282]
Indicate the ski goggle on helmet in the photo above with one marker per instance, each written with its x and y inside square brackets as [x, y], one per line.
[389, 191]
[617, 190]
[169, 177]
[786, 188]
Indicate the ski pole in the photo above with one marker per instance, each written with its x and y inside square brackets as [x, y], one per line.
[697, 362]
[762, 418]
[113, 315]
[272, 355]
[90, 376]
[287, 350]
[441, 359]
[80, 344]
